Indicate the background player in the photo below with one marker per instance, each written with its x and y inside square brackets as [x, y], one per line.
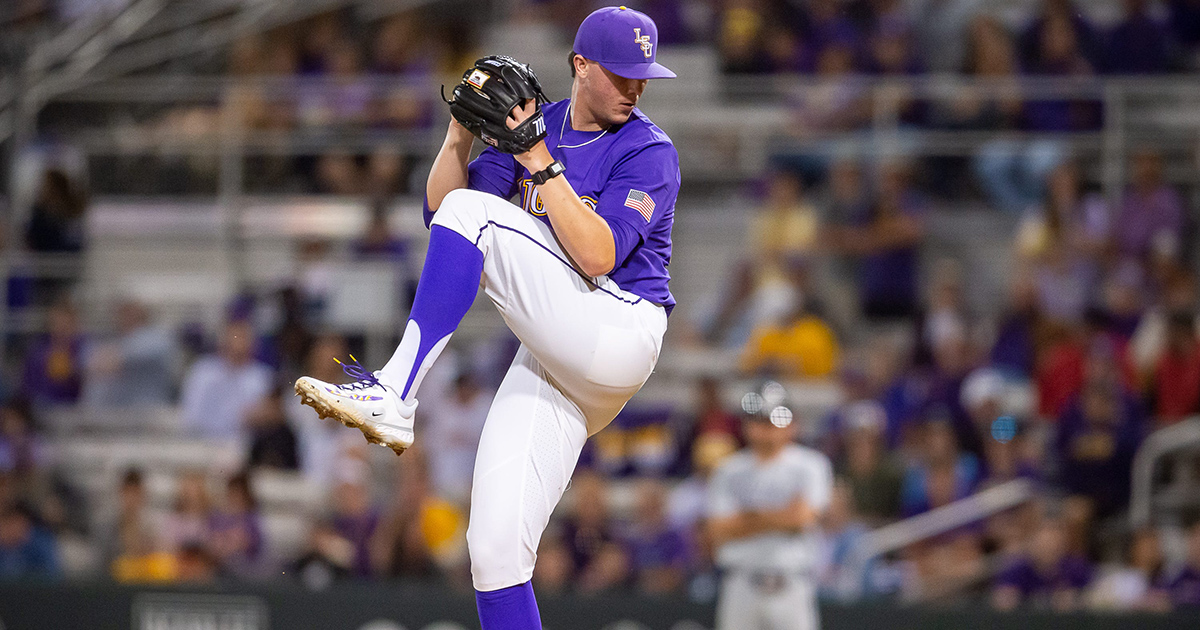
[579, 275]
[764, 502]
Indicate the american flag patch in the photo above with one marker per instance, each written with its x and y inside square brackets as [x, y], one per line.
[641, 202]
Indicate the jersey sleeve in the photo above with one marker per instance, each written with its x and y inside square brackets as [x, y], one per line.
[722, 501]
[493, 172]
[643, 185]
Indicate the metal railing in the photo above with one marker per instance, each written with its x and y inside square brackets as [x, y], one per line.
[901, 534]
[1158, 447]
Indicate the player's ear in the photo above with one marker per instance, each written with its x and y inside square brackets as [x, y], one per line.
[582, 65]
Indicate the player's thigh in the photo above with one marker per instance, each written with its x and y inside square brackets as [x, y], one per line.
[597, 341]
[794, 608]
[737, 604]
[527, 451]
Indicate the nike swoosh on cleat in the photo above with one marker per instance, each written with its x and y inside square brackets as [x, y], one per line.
[376, 414]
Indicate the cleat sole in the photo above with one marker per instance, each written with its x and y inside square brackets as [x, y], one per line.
[310, 396]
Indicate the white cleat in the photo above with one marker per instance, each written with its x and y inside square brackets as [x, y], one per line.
[367, 405]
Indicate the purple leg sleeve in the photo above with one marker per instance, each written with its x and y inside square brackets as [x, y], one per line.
[512, 608]
[449, 282]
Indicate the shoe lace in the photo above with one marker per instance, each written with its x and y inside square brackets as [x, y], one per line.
[363, 378]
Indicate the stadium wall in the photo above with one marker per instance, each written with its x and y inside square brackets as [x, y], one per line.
[30, 606]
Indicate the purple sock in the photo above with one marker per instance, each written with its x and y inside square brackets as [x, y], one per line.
[449, 282]
[512, 608]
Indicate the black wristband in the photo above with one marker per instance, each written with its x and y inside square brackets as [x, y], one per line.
[555, 169]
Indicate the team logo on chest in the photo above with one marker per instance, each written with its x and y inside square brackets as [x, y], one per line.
[644, 40]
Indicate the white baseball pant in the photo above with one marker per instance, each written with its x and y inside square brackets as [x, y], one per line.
[744, 606]
[587, 346]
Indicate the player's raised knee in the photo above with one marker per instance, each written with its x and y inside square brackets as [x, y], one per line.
[497, 561]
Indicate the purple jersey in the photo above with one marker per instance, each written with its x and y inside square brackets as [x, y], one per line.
[628, 174]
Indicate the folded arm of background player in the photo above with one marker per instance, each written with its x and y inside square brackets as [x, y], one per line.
[729, 520]
[598, 241]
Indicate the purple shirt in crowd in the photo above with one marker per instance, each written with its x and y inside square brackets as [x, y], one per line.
[1023, 575]
[1184, 589]
[629, 174]
[1139, 45]
[1143, 217]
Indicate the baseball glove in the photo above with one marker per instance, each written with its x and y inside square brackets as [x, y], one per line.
[488, 92]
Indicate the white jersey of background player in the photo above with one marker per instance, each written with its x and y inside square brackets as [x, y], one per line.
[764, 504]
[579, 275]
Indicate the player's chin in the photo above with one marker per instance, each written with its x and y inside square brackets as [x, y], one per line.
[621, 116]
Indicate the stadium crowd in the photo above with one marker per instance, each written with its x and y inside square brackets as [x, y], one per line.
[1097, 343]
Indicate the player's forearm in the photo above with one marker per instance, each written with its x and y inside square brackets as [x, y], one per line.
[449, 171]
[584, 235]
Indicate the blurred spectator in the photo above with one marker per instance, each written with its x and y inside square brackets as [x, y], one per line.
[401, 546]
[196, 565]
[1184, 21]
[53, 372]
[1149, 342]
[943, 475]
[801, 345]
[712, 416]
[355, 518]
[1151, 214]
[1097, 437]
[1140, 43]
[1040, 34]
[1069, 223]
[1129, 586]
[454, 426]
[220, 389]
[400, 46]
[24, 454]
[828, 25]
[27, 549]
[942, 28]
[598, 560]
[837, 101]
[235, 530]
[272, 441]
[743, 28]
[688, 500]
[132, 549]
[780, 240]
[319, 440]
[1176, 387]
[886, 242]
[188, 522]
[56, 220]
[1013, 456]
[1045, 576]
[339, 173]
[327, 558]
[872, 476]
[842, 531]
[1014, 349]
[657, 551]
[321, 36]
[945, 313]
[344, 98]
[1183, 588]
[293, 336]
[137, 367]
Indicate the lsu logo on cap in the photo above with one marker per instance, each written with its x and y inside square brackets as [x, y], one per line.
[478, 78]
[644, 40]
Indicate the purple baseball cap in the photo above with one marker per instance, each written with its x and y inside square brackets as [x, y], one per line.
[622, 40]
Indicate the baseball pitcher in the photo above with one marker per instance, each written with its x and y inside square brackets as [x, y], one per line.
[764, 503]
[577, 267]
